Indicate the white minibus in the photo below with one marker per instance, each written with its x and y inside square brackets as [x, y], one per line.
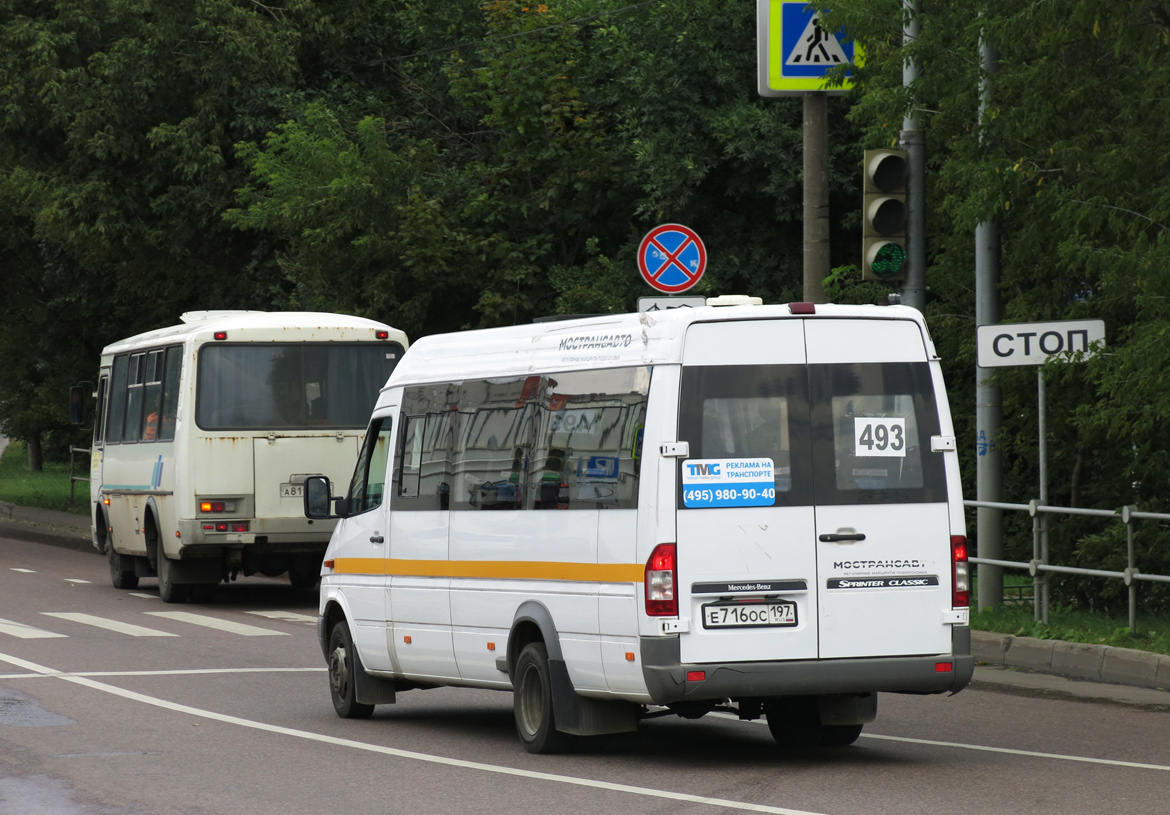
[204, 434]
[741, 508]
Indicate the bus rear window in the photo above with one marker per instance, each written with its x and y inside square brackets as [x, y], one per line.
[293, 386]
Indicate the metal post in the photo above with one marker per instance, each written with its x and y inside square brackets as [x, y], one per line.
[913, 141]
[1131, 584]
[1040, 399]
[1037, 577]
[988, 400]
[816, 195]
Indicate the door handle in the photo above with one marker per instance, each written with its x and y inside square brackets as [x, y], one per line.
[377, 539]
[832, 537]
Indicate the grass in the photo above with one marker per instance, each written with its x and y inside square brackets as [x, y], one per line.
[1072, 625]
[48, 489]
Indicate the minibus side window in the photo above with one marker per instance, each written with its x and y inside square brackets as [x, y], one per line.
[587, 448]
[423, 466]
[495, 439]
[369, 476]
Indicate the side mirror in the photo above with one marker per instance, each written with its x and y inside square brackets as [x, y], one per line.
[77, 405]
[318, 498]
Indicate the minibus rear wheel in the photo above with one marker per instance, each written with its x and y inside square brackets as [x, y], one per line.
[532, 702]
[795, 721]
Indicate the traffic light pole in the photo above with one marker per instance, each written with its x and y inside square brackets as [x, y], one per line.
[816, 195]
[913, 141]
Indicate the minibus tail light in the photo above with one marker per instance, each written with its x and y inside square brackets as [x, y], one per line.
[381, 335]
[661, 579]
[960, 573]
[220, 335]
[802, 308]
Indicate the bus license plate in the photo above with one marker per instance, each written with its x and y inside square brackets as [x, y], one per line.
[745, 615]
[292, 490]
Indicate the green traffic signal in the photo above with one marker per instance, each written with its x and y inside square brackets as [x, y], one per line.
[887, 260]
[883, 250]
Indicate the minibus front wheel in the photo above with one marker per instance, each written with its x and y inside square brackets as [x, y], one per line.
[533, 702]
[344, 666]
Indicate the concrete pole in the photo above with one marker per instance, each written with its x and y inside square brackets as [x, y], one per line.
[816, 195]
[988, 399]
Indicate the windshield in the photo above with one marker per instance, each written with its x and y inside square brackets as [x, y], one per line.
[298, 385]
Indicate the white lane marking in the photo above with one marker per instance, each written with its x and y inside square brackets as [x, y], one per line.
[648, 792]
[147, 596]
[1030, 753]
[75, 580]
[23, 571]
[173, 672]
[1005, 750]
[26, 632]
[290, 616]
[109, 625]
[242, 629]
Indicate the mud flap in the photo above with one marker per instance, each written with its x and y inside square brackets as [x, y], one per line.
[580, 716]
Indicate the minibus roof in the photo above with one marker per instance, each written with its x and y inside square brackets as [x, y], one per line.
[607, 341]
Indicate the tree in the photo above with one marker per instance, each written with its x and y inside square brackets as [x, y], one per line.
[1070, 160]
[116, 127]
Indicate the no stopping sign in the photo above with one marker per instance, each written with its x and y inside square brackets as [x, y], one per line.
[672, 258]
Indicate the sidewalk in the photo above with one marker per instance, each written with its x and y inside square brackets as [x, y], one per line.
[47, 521]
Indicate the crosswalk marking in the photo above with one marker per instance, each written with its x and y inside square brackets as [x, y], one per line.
[109, 625]
[290, 616]
[219, 625]
[26, 632]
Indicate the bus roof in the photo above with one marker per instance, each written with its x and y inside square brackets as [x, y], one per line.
[261, 326]
[611, 340]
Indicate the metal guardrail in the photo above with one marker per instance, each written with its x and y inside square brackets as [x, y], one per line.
[1039, 566]
[73, 479]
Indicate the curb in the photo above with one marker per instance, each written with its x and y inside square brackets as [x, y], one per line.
[1098, 663]
[65, 524]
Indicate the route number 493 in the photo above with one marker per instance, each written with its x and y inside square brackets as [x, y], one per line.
[879, 436]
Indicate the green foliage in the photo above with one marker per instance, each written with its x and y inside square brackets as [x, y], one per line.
[48, 489]
[1069, 160]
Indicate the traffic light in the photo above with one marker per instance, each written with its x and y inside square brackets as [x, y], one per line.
[883, 236]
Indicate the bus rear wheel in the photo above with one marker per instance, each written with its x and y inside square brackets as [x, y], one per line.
[168, 590]
[122, 573]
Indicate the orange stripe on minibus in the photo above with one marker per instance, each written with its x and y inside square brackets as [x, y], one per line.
[496, 569]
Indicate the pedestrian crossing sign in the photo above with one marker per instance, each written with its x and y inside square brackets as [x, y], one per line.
[796, 52]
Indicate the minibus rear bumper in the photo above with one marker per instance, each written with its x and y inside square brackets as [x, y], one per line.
[669, 681]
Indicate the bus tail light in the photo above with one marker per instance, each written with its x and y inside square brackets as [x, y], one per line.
[960, 573]
[661, 579]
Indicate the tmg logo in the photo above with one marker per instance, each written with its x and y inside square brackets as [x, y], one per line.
[703, 469]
